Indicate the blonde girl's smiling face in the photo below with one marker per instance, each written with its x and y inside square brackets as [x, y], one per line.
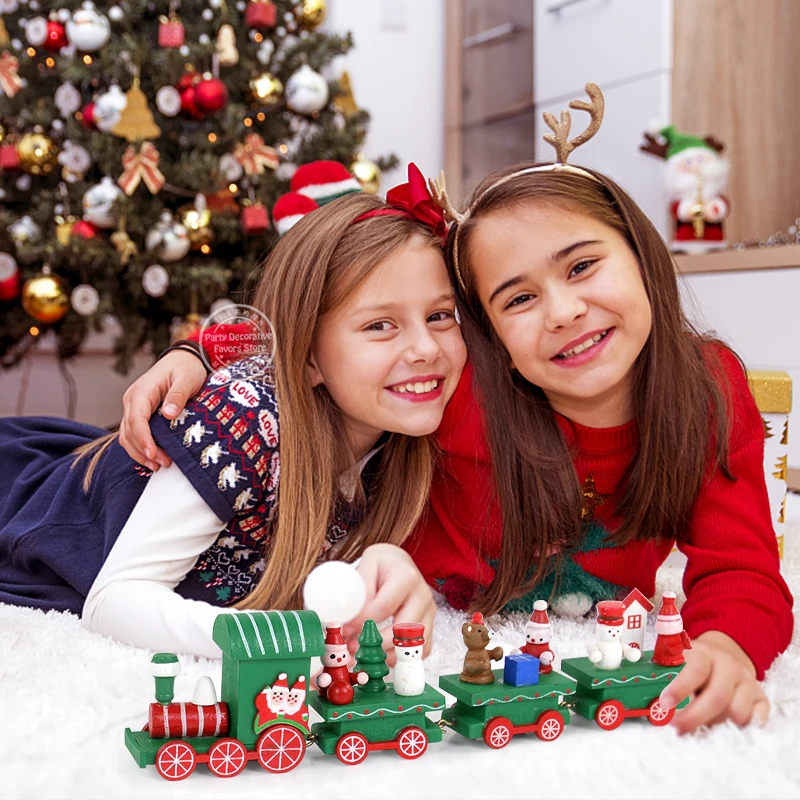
[392, 354]
[564, 293]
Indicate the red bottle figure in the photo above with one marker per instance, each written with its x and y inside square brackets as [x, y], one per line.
[538, 633]
[671, 638]
[336, 681]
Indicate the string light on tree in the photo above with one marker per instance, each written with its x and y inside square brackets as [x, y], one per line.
[266, 89]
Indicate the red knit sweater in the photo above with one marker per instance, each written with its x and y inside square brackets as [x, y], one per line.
[732, 579]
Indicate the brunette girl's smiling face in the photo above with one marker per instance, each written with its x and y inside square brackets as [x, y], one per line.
[392, 354]
[564, 293]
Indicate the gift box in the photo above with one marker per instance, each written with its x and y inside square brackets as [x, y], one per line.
[261, 14]
[170, 32]
[255, 219]
[9, 157]
[773, 394]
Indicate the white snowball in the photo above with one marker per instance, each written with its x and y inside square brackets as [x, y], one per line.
[115, 13]
[184, 50]
[335, 591]
[57, 125]
[24, 183]
[215, 3]
[203, 38]
[16, 43]
[241, 6]
[63, 15]
[58, 208]
[207, 14]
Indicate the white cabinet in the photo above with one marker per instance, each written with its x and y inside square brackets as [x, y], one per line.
[625, 47]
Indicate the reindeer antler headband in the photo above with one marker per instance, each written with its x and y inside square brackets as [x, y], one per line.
[563, 147]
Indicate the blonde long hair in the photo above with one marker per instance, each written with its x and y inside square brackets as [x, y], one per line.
[312, 271]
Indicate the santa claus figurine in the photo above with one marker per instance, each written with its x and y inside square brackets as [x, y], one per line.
[271, 700]
[296, 708]
[696, 177]
[671, 638]
[336, 681]
[538, 633]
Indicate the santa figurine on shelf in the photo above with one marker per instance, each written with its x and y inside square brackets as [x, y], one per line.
[671, 638]
[538, 633]
[696, 177]
[336, 681]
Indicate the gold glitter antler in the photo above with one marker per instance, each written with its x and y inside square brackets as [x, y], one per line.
[439, 196]
[564, 146]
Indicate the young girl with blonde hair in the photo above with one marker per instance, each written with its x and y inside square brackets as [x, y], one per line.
[324, 453]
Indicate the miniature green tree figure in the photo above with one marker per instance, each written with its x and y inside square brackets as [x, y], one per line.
[371, 657]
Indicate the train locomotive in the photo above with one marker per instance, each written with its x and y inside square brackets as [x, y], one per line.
[263, 713]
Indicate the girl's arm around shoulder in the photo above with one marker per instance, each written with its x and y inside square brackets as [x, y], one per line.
[732, 581]
[133, 597]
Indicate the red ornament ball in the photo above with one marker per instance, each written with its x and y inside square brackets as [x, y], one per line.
[210, 95]
[87, 116]
[189, 104]
[189, 79]
[56, 36]
[85, 230]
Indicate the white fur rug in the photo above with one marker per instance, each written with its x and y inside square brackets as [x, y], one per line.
[66, 696]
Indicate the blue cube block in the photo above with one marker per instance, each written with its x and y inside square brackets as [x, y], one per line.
[521, 670]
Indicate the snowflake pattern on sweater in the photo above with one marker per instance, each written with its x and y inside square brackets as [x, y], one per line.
[226, 442]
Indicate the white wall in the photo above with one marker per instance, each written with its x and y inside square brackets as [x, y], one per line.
[397, 74]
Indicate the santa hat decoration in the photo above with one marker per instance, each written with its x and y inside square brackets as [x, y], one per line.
[334, 641]
[408, 634]
[299, 685]
[669, 619]
[539, 617]
[290, 209]
[281, 684]
[477, 618]
[677, 142]
[610, 612]
[324, 181]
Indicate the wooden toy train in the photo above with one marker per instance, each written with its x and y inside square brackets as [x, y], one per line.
[263, 715]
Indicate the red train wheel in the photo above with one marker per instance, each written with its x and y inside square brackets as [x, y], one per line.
[610, 715]
[497, 732]
[352, 748]
[176, 760]
[657, 714]
[280, 748]
[412, 742]
[550, 723]
[227, 757]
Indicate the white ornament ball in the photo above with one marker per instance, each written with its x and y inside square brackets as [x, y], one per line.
[88, 30]
[8, 6]
[207, 14]
[85, 299]
[280, 31]
[98, 203]
[155, 280]
[218, 305]
[58, 208]
[57, 125]
[67, 99]
[62, 15]
[33, 5]
[25, 231]
[204, 39]
[116, 14]
[36, 31]
[16, 44]
[241, 5]
[215, 3]
[306, 91]
[168, 101]
[184, 50]
[335, 590]
[108, 107]
[23, 183]
[168, 239]
[230, 167]
[74, 157]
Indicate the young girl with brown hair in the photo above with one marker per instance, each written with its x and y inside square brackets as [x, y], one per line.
[323, 453]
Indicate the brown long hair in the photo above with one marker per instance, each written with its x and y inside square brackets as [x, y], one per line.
[679, 402]
[312, 271]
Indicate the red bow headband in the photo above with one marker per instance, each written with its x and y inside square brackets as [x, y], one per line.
[412, 200]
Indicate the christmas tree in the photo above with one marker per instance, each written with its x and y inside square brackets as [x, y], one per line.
[142, 147]
[371, 657]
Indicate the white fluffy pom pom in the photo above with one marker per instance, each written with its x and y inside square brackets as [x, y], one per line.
[575, 604]
[334, 590]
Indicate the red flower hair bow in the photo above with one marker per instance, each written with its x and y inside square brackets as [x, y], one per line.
[414, 199]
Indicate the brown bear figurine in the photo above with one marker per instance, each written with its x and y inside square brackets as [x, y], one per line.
[478, 660]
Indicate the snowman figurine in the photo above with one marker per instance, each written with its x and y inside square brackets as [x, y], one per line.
[409, 672]
[608, 649]
[99, 203]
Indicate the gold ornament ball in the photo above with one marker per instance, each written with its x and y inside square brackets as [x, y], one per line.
[38, 154]
[311, 13]
[45, 298]
[197, 223]
[368, 174]
[267, 90]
